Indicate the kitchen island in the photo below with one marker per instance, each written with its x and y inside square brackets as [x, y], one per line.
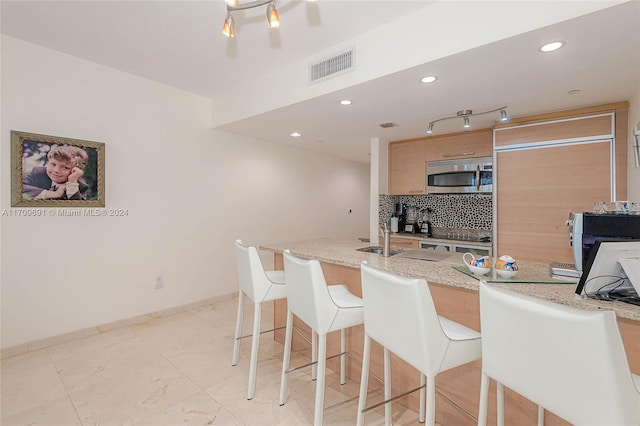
[455, 295]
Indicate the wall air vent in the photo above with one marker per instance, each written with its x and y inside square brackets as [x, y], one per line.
[388, 124]
[332, 67]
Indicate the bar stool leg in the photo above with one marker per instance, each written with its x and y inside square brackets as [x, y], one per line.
[423, 380]
[500, 404]
[322, 366]
[431, 401]
[343, 357]
[314, 355]
[364, 379]
[239, 316]
[255, 343]
[286, 356]
[540, 415]
[387, 386]
[484, 400]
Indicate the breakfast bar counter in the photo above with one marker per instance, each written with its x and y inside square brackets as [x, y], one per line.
[455, 296]
[344, 253]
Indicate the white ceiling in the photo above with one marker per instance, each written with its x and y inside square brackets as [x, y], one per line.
[178, 43]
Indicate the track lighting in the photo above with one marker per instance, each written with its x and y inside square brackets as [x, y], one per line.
[273, 20]
[228, 28]
[465, 114]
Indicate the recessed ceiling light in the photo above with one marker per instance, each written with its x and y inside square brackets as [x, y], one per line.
[345, 102]
[295, 134]
[574, 91]
[550, 47]
[428, 79]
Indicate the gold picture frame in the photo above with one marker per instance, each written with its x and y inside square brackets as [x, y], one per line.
[52, 171]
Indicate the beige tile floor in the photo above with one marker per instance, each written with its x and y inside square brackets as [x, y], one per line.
[172, 370]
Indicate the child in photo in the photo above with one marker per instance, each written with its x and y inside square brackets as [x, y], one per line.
[60, 178]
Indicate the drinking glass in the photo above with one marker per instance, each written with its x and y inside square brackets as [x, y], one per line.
[599, 207]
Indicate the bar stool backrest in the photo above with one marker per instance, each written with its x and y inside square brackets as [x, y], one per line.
[570, 361]
[400, 315]
[251, 275]
[307, 293]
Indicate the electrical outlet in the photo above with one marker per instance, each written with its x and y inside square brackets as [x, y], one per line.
[159, 282]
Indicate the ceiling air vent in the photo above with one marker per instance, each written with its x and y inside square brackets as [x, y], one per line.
[387, 125]
[332, 67]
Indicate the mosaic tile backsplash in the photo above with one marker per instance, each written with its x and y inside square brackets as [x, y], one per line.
[459, 211]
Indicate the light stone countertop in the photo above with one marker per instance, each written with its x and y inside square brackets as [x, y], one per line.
[343, 252]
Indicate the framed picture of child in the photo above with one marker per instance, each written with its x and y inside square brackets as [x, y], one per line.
[51, 171]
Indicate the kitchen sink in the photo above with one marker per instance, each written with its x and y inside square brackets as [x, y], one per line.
[378, 250]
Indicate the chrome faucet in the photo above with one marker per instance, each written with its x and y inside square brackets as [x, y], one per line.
[386, 247]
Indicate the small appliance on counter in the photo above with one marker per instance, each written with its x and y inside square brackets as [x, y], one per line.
[400, 214]
[394, 224]
[425, 228]
[411, 224]
[587, 228]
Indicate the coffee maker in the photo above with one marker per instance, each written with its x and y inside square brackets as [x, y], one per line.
[401, 214]
[587, 228]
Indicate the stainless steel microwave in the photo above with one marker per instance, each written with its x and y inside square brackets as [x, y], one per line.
[469, 175]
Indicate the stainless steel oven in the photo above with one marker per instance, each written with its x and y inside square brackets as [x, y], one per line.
[470, 175]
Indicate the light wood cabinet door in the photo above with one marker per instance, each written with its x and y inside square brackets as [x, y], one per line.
[470, 144]
[537, 188]
[404, 243]
[401, 242]
[407, 167]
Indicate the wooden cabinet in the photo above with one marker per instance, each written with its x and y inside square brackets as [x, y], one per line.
[547, 169]
[470, 144]
[404, 243]
[401, 242]
[593, 122]
[407, 167]
[537, 188]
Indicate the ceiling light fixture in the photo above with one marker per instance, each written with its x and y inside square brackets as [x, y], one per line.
[550, 47]
[295, 134]
[429, 79]
[345, 102]
[465, 114]
[273, 20]
[229, 28]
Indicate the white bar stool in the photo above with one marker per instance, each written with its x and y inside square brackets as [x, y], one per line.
[570, 361]
[324, 309]
[259, 286]
[400, 315]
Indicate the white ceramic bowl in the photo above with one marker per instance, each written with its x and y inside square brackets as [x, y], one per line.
[478, 270]
[506, 274]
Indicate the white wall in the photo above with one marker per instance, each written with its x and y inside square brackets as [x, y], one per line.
[633, 172]
[189, 191]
